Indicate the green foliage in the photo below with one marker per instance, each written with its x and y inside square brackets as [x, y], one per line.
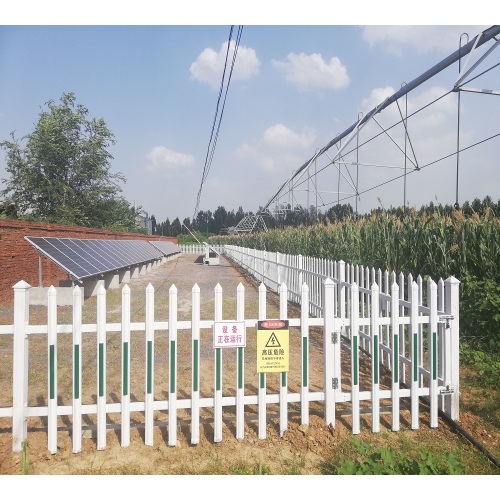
[485, 363]
[247, 470]
[480, 311]
[384, 461]
[61, 172]
[188, 239]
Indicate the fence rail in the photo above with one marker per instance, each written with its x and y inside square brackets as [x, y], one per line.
[407, 342]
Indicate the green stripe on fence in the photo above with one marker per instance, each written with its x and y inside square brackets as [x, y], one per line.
[415, 357]
[355, 354]
[262, 381]
[195, 365]
[218, 369]
[305, 372]
[376, 367]
[240, 367]
[434, 356]
[395, 357]
[173, 369]
[101, 369]
[283, 379]
[76, 373]
[52, 368]
[125, 369]
[149, 375]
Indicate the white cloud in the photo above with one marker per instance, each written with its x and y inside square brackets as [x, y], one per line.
[312, 72]
[423, 39]
[280, 149]
[169, 163]
[209, 65]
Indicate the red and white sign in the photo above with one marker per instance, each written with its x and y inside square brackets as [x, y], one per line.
[230, 334]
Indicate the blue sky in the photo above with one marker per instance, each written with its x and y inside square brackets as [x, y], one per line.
[154, 77]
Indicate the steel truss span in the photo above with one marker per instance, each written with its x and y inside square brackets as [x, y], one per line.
[384, 146]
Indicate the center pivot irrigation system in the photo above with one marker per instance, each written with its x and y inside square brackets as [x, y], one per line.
[311, 184]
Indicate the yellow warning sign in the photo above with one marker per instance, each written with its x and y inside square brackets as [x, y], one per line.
[272, 346]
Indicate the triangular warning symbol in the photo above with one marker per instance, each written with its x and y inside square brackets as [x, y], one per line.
[273, 341]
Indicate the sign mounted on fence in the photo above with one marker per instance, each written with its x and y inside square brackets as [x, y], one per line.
[272, 346]
[229, 334]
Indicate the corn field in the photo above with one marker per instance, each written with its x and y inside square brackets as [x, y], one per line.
[427, 245]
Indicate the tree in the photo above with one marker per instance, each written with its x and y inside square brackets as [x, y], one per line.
[62, 173]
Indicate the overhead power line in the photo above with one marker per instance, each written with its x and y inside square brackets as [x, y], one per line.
[214, 134]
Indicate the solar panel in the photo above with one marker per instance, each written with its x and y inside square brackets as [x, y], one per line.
[83, 258]
[166, 247]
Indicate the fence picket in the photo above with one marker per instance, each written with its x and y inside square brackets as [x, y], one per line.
[125, 420]
[355, 358]
[195, 362]
[415, 362]
[284, 375]
[304, 330]
[218, 371]
[172, 390]
[433, 354]
[150, 374]
[375, 349]
[77, 370]
[101, 368]
[395, 354]
[52, 369]
[240, 368]
[262, 376]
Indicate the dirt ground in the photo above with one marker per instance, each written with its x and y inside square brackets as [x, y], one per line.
[301, 450]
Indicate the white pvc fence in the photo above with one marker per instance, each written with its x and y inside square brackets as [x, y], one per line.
[199, 249]
[412, 341]
[408, 328]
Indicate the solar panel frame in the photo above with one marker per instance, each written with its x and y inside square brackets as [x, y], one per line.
[84, 258]
[166, 247]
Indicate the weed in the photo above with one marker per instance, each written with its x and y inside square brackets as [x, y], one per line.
[380, 460]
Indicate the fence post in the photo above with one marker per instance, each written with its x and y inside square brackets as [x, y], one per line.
[20, 361]
[149, 352]
[328, 332]
[452, 307]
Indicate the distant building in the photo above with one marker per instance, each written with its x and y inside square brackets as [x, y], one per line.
[145, 222]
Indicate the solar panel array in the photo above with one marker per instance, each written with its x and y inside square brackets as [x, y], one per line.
[83, 258]
[166, 247]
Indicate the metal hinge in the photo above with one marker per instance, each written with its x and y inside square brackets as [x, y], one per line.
[335, 383]
[335, 337]
[446, 319]
[446, 390]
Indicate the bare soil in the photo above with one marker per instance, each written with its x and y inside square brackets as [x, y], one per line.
[301, 450]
